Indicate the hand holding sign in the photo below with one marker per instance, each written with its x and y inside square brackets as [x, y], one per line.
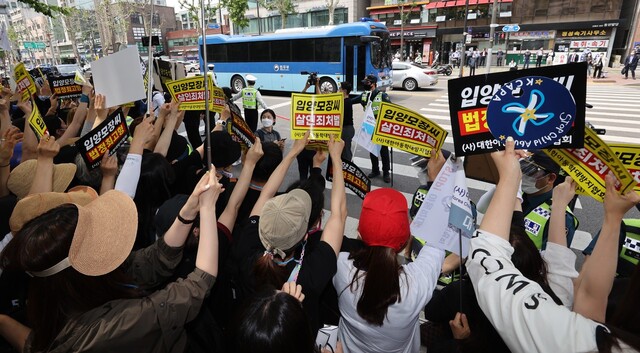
[435, 163]
[24, 105]
[617, 205]
[298, 145]
[100, 105]
[142, 135]
[507, 161]
[319, 157]
[564, 192]
[9, 140]
[109, 165]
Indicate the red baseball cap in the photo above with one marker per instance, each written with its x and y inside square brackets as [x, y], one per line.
[384, 220]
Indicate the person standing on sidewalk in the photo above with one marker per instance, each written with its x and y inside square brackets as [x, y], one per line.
[598, 63]
[539, 56]
[250, 99]
[527, 59]
[473, 63]
[500, 57]
[630, 64]
[372, 95]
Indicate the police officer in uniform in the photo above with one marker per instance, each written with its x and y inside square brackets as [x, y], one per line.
[371, 94]
[250, 99]
[539, 176]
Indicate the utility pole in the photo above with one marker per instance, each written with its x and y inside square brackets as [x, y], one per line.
[492, 33]
[464, 38]
[258, 14]
[402, 31]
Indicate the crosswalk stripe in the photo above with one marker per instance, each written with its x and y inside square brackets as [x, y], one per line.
[613, 120]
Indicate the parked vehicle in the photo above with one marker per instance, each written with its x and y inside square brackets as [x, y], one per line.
[68, 69]
[413, 76]
[443, 69]
[191, 66]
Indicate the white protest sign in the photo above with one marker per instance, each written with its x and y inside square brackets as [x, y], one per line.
[431, 223]
[366, 132]
[118, 77]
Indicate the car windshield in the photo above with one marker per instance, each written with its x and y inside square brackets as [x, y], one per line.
[67, 69]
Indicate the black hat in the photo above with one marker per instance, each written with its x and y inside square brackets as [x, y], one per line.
[545, 162]
[370, 78]
[224, 151]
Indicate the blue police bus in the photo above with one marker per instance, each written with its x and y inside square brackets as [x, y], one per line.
[346, 52]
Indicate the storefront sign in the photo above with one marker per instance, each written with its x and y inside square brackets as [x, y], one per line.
[533, 35]
[577, 44]
[585, 33]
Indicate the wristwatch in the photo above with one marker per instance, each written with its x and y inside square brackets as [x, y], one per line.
[221, 122]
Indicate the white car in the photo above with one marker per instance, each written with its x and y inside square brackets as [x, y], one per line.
[191, 66]
[412, 76]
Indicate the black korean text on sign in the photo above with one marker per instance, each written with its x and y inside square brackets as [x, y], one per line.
[109, 135]
[354, 178]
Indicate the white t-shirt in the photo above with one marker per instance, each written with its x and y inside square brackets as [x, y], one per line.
[400, 332]
[525, 316]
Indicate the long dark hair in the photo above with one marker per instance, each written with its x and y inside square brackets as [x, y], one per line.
[56, 300]
[154, 187]
[272, 321]
[381, 288]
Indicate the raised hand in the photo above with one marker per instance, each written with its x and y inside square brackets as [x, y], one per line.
[48, 147]
[563, 193]
[100, 105]
[294, 290]
[109, 165]
[335, 146]
[298, 145]
[435, 164]
[255, 152]
[616, 205]
[507, 161]
[8, 142]
[210, 191]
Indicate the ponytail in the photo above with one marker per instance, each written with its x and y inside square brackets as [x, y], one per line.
[267, 272]
[381, 287]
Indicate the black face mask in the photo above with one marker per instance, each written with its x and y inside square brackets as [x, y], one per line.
[368, 87]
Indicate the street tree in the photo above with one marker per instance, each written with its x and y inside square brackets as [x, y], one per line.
[331, 7]
[46, 9]
[284, 8]
[237, 10]
[193, 8]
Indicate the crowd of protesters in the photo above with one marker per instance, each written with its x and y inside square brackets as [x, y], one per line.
[157, 251]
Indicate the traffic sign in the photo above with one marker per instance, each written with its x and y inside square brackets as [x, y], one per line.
[213, 26]
[511, 28]
[34, 45]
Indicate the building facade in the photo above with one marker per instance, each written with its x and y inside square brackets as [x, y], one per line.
[183, 44]
[163, 21]
[564, 28]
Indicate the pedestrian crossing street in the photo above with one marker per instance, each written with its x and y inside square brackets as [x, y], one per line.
[614, 109]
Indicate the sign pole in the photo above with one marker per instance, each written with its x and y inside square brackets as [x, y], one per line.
[207, 120]
[150, 65]
[492, 34]
[464, 39]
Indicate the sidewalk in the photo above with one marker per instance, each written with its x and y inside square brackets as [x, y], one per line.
[613, 75]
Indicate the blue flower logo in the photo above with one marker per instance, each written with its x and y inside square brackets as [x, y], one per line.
[529, 113]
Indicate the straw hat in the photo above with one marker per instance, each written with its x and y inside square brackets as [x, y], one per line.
[34, 205]
[103, 238]
[22, 176]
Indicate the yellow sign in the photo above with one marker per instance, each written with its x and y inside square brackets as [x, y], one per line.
[629, 156]
[36, 122]
[321, 114]
[190, 91]
[24, 82]
[79, 78]
[588, 166]
[401, 128]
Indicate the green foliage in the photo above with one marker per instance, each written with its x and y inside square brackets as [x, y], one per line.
[194, 10]
[237, 9]
[284, 7]
[45, 9]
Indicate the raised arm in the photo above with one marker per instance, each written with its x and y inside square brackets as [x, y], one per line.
[207, 256]
[109, 169]
[129, 176]
[562, 196]
[334, 230]
[43, 178]
[596, 277]
[276, 178]
[73, 130]
[228, 217]
[30, 142]
[169, 125]
[10, 138]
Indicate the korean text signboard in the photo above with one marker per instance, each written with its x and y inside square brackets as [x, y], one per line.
[629, 156]
[65, 86]
[110, 134]
[190, 91]
[24, 82]
[239, 128]
[321, 114]
[588, 166]
[354, 178]
[36, 122]
[469, 98]
[401, 128]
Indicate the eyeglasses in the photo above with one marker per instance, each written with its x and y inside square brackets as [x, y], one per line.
[531, 169]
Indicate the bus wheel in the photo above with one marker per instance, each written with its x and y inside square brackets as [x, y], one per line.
[237, 83]
[327, 85]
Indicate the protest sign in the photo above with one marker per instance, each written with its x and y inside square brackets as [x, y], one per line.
[399, 127]
[36, 122]
[239, 128]
[79, 78]
[481, 167]
[629, 156]
[588, 166]
[365, 134]
[118, 77]
[109, 134]
[354, 178]
[445, 220]
[314, 145]
[166, 73]
[470, 96]
[65, 86]
[321, 114]
[24, 82]
[190, 91]
[536, 111]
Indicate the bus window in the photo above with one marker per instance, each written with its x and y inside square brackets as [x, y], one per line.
[259, 52]
[281, 51]
[328, 50]
[238, 52]
[304, 50]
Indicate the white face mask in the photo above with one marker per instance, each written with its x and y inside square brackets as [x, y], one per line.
[267, 122]
[529, 185]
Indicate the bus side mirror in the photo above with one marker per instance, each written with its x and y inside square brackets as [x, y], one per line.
[369, 39]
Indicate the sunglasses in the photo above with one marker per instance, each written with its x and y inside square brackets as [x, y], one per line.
[531, 169]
